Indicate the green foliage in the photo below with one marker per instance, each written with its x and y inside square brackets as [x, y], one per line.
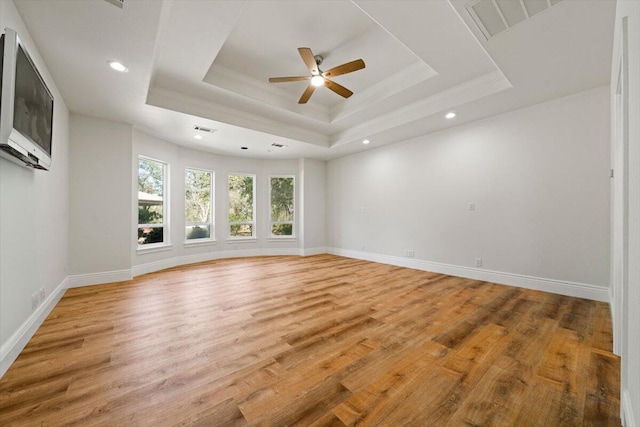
[197, 191]
[150, 176]
[240, 198]
[282, 229]
[282, 199]
[149, 214]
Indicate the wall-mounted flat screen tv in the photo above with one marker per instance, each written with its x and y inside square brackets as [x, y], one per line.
[26, 107]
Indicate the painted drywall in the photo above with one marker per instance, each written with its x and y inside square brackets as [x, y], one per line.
[538, 179]
[627, 313]
[313, 184]
[34, 224]
[100, 198]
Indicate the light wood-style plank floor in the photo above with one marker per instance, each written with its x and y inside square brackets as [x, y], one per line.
[323, 341]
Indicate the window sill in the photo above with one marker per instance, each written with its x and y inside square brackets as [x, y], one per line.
[196, 243]
[282, 239]
[152, 249]
[242, 239]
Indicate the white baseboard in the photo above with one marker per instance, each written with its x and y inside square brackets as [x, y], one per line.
[79, 280]
[150, 267]
[313, 251]
[17, 342]
[580, 290]
[628, 419]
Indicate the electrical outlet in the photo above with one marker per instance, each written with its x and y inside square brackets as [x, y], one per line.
[362, 247]
[34, 301]
[362, 209]
[42, 295]
[409, 253]
[472, 206]
[478, 262]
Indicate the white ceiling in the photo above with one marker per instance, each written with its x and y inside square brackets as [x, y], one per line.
[207, 63]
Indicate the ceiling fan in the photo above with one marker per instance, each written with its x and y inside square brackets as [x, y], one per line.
[319, 77]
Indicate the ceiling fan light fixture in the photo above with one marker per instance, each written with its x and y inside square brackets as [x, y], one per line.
[317, 81]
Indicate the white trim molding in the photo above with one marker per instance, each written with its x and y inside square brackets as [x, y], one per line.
[628, 419]
[12, 348]
[313, 251]
[79, 280]
[579, 290]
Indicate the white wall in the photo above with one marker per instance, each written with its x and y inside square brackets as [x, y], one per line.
[100, 197]
[539, 178]
[313, 185]
[629, 11]
[34, 225]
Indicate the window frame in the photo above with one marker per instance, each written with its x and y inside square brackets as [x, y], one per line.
[165, 206]
[272, 222]
[212, 205]
[253, 221]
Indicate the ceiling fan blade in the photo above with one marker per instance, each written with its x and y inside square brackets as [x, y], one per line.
[339, 89]
[349, 67]
[288, 79]
[307, 94]
[309, 60]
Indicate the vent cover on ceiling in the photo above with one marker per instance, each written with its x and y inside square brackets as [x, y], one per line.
[495, 16]
[119, 3]
[204, 129]
[276, 145]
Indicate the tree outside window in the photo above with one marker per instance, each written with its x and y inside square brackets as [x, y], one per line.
[241, 205]
[151, 201]
[198, 204]
[281, 201]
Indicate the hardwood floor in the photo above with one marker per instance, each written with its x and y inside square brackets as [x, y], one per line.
[322, 341]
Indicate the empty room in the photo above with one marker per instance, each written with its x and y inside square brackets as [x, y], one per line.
[320, 213]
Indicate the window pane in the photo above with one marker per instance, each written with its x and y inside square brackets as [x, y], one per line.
[198, 231]
[151, 205]
[240, 198]
[241, 230]
[282, 229]
[148, 235]
[151, 177]
[197, 194]
[149, 214]
[281, 199]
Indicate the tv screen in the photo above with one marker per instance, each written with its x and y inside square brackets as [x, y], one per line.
[33, 107]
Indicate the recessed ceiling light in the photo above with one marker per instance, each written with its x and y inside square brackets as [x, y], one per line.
[118, 66]
[450, 115]
[317, 81]
[197, 136]
[365, 141]
[244, 148]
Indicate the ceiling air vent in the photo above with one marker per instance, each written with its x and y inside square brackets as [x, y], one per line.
[119, 3]
[276, 145]
[204, 129]
[495, 16]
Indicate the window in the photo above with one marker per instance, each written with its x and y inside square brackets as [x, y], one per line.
[152, 201]
[242, 208]
[198, 206]
[281, 205]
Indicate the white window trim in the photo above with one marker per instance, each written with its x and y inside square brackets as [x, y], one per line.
[253, 222]
[203, 240]
[166, 243]
[293, 223]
